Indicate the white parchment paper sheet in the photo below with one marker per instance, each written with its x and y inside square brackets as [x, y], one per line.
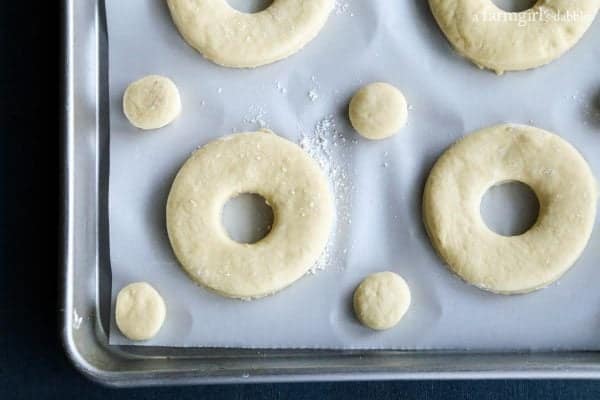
[379, 183]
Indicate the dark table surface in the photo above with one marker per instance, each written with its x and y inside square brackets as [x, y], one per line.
[32, 362]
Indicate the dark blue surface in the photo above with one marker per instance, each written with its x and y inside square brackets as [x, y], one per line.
[32, 363]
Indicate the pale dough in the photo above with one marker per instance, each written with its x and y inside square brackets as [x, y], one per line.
[503, 41]
[555, 171]
[151, 102]
[381, 300]
[259, 163]
[241, 40]
[140, 311]
[377, 111]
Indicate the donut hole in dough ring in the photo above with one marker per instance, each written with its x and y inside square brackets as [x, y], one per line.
[232, 38]
[562, 181]
[503, 41]
[292, 184]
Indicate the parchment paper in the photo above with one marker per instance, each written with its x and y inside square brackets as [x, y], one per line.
[378, 184]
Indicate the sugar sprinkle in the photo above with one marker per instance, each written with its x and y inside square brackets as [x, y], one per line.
[331, 148]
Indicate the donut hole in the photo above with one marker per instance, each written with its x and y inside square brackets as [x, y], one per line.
[247, 218]
[510, 208]
[250, 6]
[515, 5]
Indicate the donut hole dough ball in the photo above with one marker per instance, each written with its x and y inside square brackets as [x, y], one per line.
[286, 177]
[565, 188]
[506, 41]
[377, 111]
[151, 102]
[236, 39]
[140, 311]
[381, 300]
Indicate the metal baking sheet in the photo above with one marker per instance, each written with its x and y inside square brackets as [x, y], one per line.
[378, 185]
[87, 275]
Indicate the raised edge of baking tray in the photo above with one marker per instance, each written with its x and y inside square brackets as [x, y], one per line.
[86, 272]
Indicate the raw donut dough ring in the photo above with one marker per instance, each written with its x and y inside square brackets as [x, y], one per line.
[381, 300]
[139, 311]
[513, 41]
[557, 173]
[235, 39]
[260, 163]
